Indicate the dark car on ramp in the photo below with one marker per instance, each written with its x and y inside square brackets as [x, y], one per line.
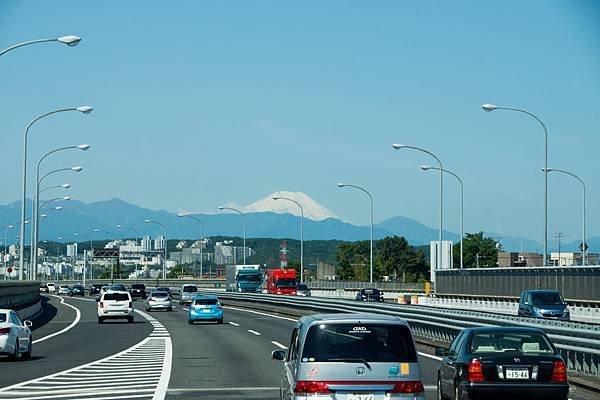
[543, 304]
[96, 287]
[502, 363]
[138, 290]
[370, 294]
[77, 290]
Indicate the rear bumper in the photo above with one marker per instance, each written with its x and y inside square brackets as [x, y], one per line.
[193, 316]
[529, 391]
[159, 306]
[109, 314]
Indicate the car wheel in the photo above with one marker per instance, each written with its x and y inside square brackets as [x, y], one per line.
[190, 322]
[457, 392]
[15, 355]
[27, 355]
[220, 321]
[100, 320]
[147, 309]
[130, 320]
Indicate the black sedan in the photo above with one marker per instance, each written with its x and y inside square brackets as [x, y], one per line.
[369, 294]
[502, 362]
[138, 290]
[77, 290]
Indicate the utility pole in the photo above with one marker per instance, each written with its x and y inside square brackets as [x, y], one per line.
[559, 236]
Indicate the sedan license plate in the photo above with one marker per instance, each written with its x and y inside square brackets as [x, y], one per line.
[517, 373]
[362, 396]
[206, 310]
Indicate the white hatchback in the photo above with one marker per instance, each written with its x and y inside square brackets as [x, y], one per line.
[51, 287]
[115, 305]
[15, 335]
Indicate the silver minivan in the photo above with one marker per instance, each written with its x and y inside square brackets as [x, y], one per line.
[351, 357]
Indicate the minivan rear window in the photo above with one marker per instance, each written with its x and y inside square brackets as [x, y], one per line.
[116, 296]
[368, 342]
[190, 289]
[205, 302]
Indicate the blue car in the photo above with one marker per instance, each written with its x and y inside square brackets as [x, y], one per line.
[205, 308]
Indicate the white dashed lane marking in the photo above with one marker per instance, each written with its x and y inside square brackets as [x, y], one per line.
[279, 345]
[233, 323]
[254, 332]
[139, 372]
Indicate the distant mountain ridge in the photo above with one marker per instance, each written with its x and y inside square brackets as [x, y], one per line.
[82, 218]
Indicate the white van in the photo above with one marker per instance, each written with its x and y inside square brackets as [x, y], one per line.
[51, 287]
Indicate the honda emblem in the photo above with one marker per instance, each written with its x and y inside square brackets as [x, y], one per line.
[360, 370]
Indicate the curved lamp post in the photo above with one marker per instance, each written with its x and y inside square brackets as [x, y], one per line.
[244, 225]
[492, 107]
[149, 221]
[462, 207]
[403, 146]
[583, 243]
[341, 185]
[301, 233]
[82, 109]
[34, 228]
[69, 40]
[201, 238]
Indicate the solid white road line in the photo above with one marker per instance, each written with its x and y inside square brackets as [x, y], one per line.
[254, 332]
[235, 389]
[279, 345]
[295, 320]
[233, 323]
[75, 321]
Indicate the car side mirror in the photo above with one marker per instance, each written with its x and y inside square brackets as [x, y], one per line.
[278, 355]
[441, 352]
[28, 323]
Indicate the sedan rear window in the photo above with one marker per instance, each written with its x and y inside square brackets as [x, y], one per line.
[351, 342]
[159, 294]
[509, 342]
[205, 302]
[116, 296]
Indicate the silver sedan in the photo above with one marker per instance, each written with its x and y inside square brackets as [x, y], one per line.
[159, 301]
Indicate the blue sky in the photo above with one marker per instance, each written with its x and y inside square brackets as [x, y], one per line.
[201, 103]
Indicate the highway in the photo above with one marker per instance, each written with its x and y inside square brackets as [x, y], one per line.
[159, 356]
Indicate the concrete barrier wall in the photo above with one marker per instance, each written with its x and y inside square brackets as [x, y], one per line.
[17, 295]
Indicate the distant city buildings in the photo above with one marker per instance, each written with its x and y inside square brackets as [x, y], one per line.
[573, 259]
[226, 254]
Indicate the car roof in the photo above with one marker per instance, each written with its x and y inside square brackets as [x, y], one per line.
[542, 291]
[117, 291]
[503, 329]
[206, 297]
[353, 318]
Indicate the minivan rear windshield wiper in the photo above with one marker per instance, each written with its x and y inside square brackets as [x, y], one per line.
[352, 360]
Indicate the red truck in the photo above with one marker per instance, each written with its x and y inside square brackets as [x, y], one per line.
[281, 281]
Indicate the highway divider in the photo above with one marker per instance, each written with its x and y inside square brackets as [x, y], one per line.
[579, 343]
[23, 297]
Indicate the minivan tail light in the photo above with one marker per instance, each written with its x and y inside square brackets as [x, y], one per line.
[475, 371]
[408, 387]
[311, 387]
[4, 331]
[559, 373]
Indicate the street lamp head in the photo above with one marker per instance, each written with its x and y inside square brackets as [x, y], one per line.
[397, 146]
[10, 226]
[119, 226]
[147, 221]
[181, 215]
[275, 198]
[65, 185]
[547, 169]
[85, 109]
[489, 107]
[43, 215]
[221, 208]
[66, 198]
[26, 222]
[77, 169]
[426, 167]
[69, 40]
[58, 208]
[83, 146]
[341, 184]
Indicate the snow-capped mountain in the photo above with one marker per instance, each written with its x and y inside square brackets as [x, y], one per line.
[312, 209]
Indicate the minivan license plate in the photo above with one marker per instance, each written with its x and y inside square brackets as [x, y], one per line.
[517, 373]
[361, 397]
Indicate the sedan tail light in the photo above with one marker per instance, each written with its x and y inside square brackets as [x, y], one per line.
[475, 371]
[559, 373]
[315, 387]
[4, 331]
[408, 387]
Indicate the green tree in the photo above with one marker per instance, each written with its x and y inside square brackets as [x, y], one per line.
[395, 257]
[478, 249]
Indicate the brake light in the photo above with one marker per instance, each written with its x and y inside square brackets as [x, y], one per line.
[4, 331]
[475, 371]
[408, 387]
[559, 373]
[311, 387]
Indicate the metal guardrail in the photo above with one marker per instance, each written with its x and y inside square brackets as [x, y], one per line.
[356, 285]
[14, 295]
[150, 283]
[579, 343]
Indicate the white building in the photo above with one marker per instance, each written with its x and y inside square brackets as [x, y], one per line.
[159, 243]
[447, 261]
[573, 259]
[72, 250]
[147, 243]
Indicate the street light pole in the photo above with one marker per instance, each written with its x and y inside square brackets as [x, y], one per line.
[244, 225]
[35, 234]
[402, 146]
[201, 238]
[84, 256]
[69, 40]
[35, 211]
[148, 221]
[137, 235]
[301, 233]
[583, 243]
[462, 208]
[341, 185]
[492, 107]
[82, 109]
